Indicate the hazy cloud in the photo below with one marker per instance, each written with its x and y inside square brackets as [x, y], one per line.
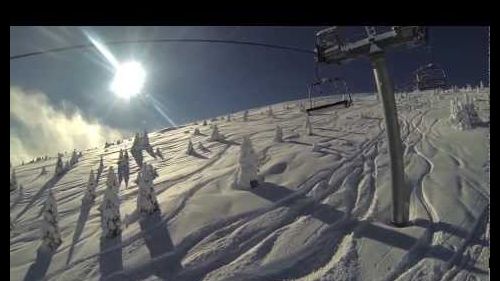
[38, 128]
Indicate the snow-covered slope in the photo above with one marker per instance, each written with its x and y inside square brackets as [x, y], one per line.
[317, 215]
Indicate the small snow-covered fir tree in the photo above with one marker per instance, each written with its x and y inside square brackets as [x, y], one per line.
[228, 118]
[91, 186]
[120, 157]
[110, 213]
[248, 165]
[120, 167]
[146, 199]
[101, 167]
[146, 145]
[74, 158]
[204, 123]
[270, 111]
[67, 166]
[463, 114]
[215, 136]
[316, 147]
[59, 165]
[189, 149]
[51, 237]
[158, 153]
[278, 137]
[302, 107]
[126, 168]
[13, 180]
[111, 180]
[245, 115]
[308, 126]
[136, 150]
[196, 132]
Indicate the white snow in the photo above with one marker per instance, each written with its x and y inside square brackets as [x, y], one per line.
[314, 215]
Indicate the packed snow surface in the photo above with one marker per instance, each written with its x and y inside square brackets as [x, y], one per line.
[319, 214]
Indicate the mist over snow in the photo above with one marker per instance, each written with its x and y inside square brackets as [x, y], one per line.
[40, 128]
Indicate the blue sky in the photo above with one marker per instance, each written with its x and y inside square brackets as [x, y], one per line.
[200, 80]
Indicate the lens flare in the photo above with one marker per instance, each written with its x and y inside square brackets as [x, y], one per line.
[129, 80]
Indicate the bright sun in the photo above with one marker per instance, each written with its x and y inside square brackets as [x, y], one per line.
[129, 80]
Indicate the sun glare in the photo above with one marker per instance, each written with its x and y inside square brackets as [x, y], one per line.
[129, 80]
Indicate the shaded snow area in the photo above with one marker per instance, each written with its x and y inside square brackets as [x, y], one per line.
[310, 214]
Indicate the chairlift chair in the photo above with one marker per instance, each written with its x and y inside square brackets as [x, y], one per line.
[346, 95]
[431, 76]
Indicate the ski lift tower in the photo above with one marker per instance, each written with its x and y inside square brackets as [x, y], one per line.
[333, 48]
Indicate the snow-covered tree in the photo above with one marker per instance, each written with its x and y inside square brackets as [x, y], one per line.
[215, 136]
[74, 158]
[196, 132]
[126, 168]
[278, 137]
[204, 123]
[101, 167]
[111, 180]
[59, 165]
[120, 167]
[158, 153]
[463, 114]
[146, 199]
[316, 147]
[110, 213]
[248, 165]
[308, 126]
[136, 150]
[189, 149]
[302, 107]
[146, 145]
[91, 186]
[270, 111]
[245, 115]
[13, 180]
[51, 237]
[120, 157]
[481, 85]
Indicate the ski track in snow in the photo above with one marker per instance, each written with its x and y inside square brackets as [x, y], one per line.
[332, 207]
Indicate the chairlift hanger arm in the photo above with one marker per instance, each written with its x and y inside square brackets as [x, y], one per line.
[337, 52]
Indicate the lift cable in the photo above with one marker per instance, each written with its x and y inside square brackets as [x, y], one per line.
[121, 42]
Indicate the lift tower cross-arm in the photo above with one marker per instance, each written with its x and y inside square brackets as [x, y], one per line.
[329, 49]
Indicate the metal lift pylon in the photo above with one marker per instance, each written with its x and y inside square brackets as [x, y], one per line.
[331, 49]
